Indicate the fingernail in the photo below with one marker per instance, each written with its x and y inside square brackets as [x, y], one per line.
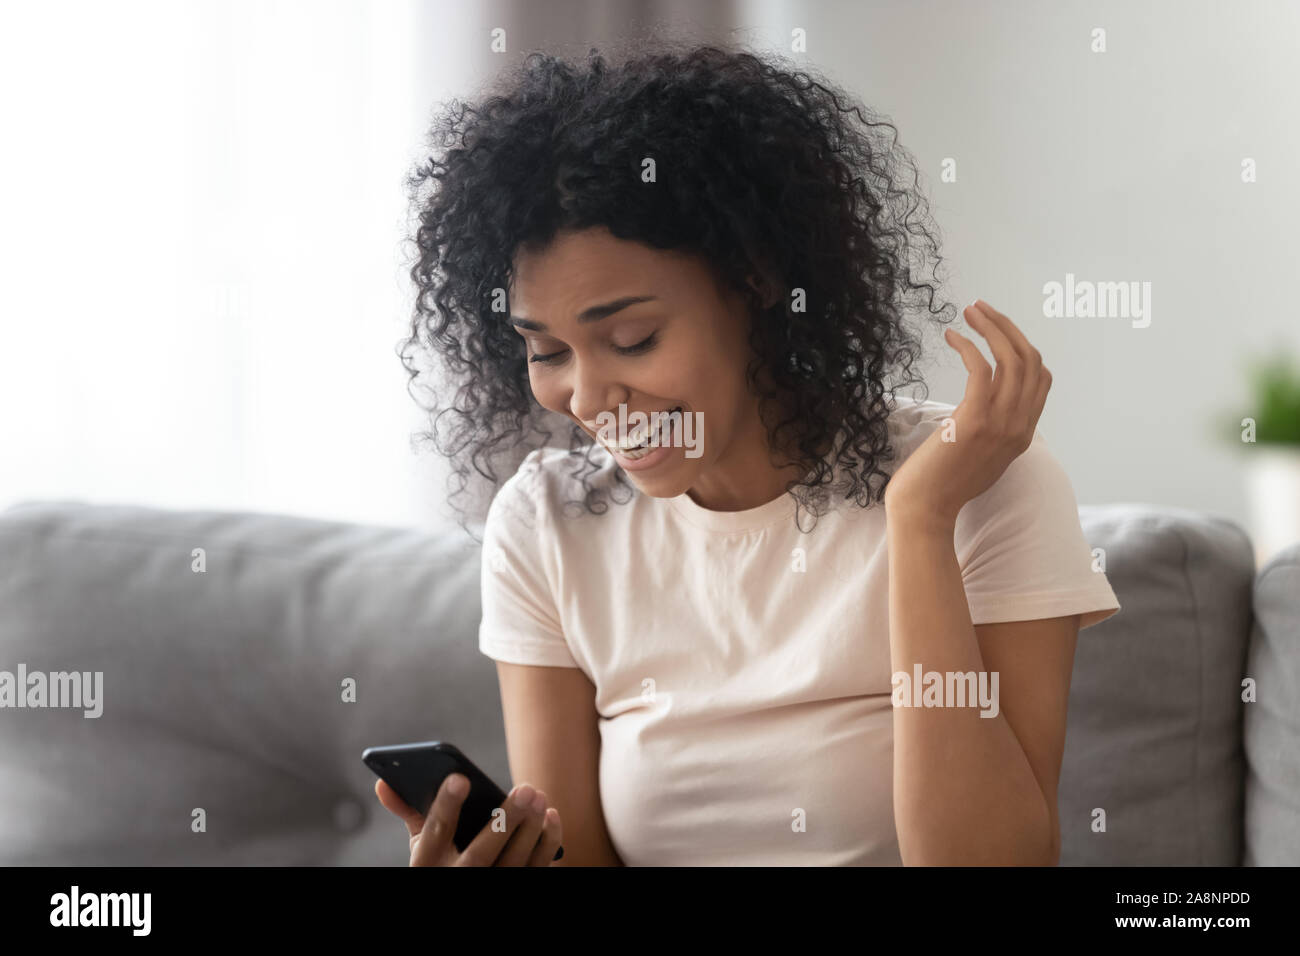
[458, 785]
[539, 801]
[524, 795]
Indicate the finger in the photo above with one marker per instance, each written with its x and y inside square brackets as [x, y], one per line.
[552, 834]
[1009, 374]
[979, 380]
[395, 805]
[1033, 359]
[1040, 397]
[440, 823]
[1009, 328]
[489, 842]
[519, 849]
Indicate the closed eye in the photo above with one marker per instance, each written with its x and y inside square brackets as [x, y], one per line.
[554, 356]
[643, 346]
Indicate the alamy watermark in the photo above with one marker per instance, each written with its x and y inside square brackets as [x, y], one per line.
[672, 428]
[1098, 300]
[76, 908]
[75, 689]
[947, 689]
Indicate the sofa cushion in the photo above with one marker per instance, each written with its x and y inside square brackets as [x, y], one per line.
[223, 689]
[1155, 716]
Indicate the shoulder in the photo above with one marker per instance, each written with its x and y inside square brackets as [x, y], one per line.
[548, 479]
[1032, 497]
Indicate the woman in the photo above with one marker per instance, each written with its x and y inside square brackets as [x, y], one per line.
[691, 672]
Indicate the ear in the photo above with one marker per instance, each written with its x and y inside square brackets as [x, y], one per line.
[766, 294]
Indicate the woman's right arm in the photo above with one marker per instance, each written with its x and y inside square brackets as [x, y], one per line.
[553, 743]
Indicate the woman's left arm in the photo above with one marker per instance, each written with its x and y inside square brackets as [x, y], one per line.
[971, 789]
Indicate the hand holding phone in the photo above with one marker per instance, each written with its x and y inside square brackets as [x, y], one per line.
[419, 783]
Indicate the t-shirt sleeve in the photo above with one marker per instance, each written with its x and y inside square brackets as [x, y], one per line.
[520, 622]
[1022, 551]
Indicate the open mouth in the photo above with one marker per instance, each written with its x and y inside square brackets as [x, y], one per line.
[656, 439]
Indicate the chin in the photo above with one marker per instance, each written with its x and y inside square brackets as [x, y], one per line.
[657, 487]
[667, 482]
[661, 491]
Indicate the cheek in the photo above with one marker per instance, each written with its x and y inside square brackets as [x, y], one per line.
[709, 372]
[548, 395]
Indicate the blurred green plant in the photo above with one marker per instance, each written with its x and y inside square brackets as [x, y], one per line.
[1275, 401]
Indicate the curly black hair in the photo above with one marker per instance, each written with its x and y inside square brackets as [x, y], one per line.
[761, 170]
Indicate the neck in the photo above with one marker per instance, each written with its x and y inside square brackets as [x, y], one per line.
[744, 476]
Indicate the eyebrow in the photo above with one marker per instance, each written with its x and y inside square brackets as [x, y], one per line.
[593, 314]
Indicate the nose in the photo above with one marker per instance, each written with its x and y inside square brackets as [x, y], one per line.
[593, 392]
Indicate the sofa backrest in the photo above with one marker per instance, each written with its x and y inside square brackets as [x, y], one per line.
[224, 688]
[1155, 718]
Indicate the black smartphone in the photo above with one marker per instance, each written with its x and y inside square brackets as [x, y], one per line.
[416, 772]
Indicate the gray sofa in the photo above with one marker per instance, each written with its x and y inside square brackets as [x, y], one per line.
[225, 691]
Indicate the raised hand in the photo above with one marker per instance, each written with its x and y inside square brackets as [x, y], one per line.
[993, 425]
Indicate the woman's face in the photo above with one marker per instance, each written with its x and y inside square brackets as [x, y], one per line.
[610, 321]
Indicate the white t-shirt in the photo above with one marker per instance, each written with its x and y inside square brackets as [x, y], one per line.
[745, 704]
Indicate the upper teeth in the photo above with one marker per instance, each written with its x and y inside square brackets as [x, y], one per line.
[640, 437]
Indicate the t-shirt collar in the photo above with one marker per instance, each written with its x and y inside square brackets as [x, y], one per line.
[779, 508]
